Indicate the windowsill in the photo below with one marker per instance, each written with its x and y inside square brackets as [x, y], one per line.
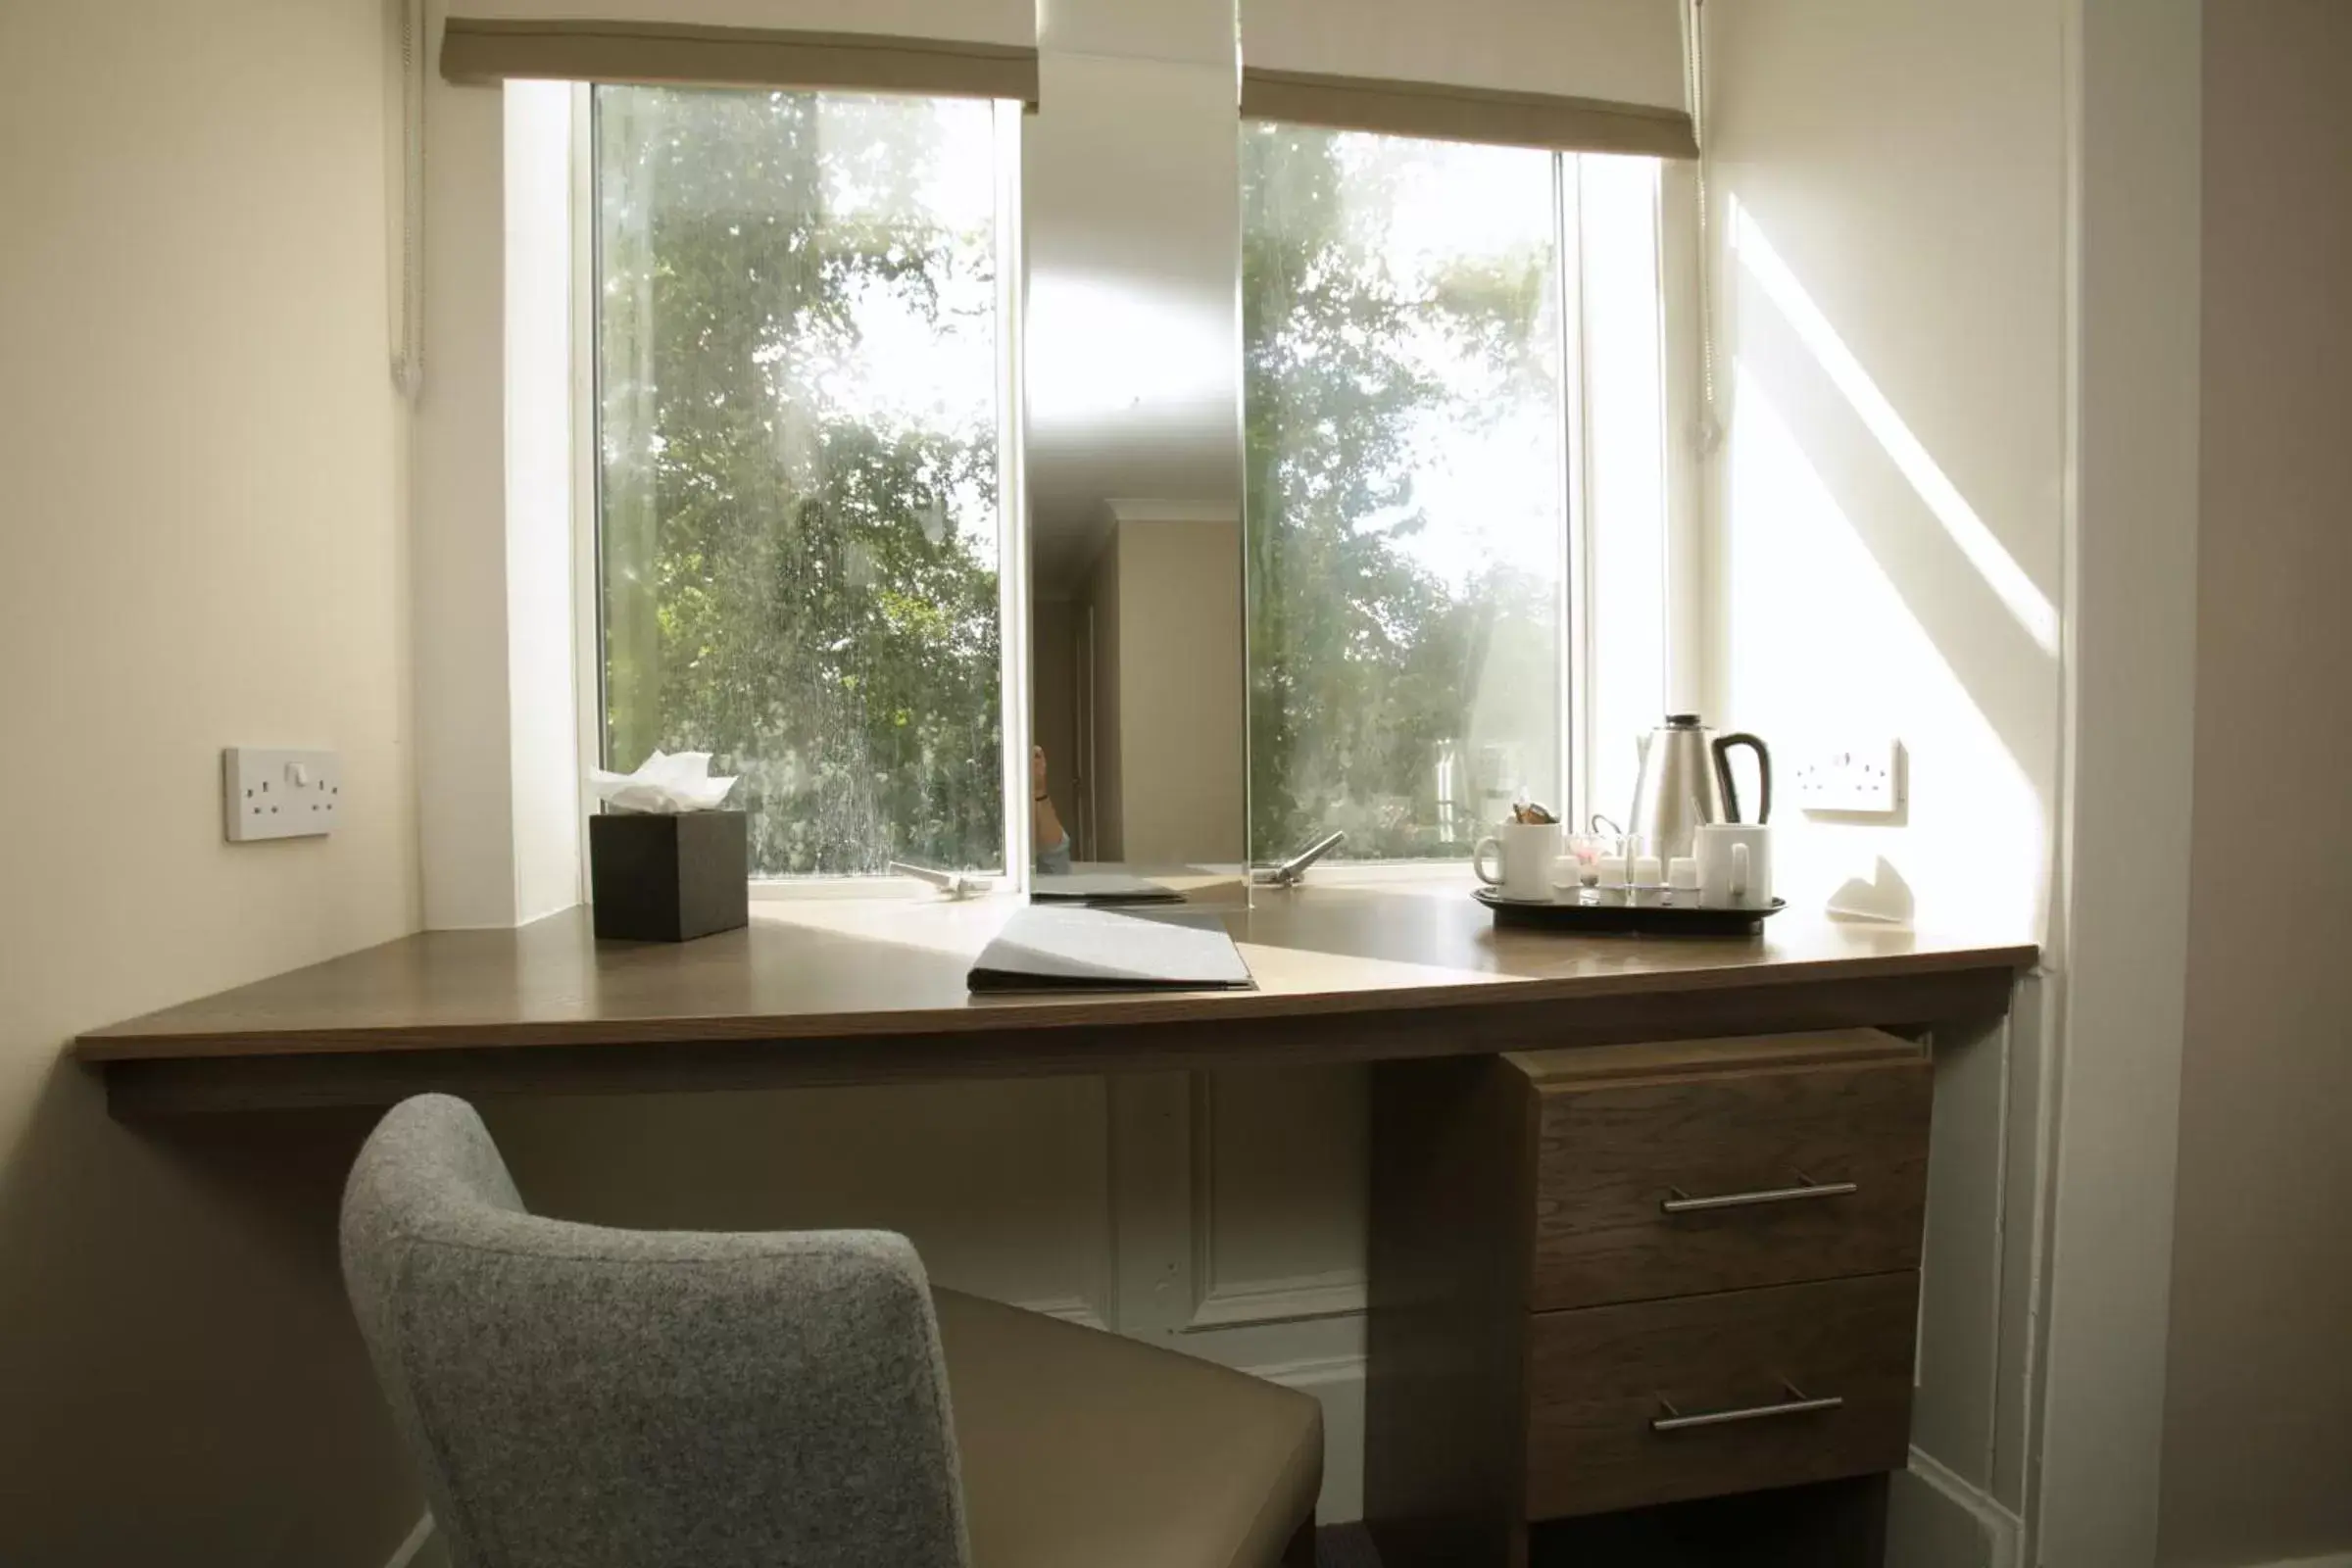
[787, 888]
[1407, 874]
[1388, 874]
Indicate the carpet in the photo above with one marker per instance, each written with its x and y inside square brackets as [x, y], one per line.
[1345, 1546]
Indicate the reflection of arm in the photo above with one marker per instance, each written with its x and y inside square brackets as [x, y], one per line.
[1050, 841]
[1048, 828]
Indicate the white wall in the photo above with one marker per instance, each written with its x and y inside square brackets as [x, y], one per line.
[1956, 276]
[203, 457]
[497, 765]
[2258, 1397]
[1891, 270]
[1890, 256]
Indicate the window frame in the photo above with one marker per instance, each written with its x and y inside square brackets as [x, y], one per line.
[1682, 449]
[1688, 440]
[1012, 526]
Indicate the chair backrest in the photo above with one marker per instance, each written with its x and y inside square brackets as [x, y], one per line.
[584, 1397]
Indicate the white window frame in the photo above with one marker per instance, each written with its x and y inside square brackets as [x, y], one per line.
[1687, 590]
[1685, 682]
[1013, 520]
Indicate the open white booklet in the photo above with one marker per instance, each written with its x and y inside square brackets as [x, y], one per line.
[1058, 947]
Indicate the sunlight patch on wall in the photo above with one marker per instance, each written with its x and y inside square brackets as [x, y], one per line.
[1821, 645]
[1106, 351]
[2008, 580]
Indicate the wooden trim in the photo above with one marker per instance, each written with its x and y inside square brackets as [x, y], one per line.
[1443, 112]
[1445, 1339]
[479, 51]
[1745, 999]
[1088, 1045]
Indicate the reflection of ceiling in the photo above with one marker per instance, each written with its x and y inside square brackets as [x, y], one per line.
[1130, 192]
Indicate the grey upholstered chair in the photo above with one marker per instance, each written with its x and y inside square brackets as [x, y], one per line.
[584, 1397]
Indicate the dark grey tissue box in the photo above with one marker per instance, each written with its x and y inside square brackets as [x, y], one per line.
[669, 878]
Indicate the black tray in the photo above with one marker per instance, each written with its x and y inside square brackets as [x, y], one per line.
[1566, 914]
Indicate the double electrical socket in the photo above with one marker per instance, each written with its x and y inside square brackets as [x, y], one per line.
[1864, 778]
[276, 794]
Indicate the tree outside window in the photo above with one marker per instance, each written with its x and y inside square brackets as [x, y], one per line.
[796, 311]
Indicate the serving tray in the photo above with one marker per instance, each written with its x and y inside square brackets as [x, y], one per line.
[1567, 912]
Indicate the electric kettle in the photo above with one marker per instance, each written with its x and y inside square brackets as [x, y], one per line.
[1686, 783]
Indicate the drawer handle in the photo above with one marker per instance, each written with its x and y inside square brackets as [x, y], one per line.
[1683, 1203]
[1795, 1404]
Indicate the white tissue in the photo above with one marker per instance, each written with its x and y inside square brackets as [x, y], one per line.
[664, 784]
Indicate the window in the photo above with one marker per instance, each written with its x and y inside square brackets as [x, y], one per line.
[800, 391]
[1455, 499]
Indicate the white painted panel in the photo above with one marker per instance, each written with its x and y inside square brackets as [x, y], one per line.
[1003, 1187]
[1322, 1356]
[2022, 1244]
[1285, 1186]
[464, 791]
[1960, 1274]
[1936, 1520]
[541, 612]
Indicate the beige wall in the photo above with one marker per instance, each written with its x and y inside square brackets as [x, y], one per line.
[201, 450]
[1110, 776]
[1053, 701]
[2258, 1415]
[1182, 725]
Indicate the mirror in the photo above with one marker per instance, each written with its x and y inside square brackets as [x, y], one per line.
[1131, 201]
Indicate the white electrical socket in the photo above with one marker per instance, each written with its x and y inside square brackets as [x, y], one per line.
[267, 793]
[1861, 777]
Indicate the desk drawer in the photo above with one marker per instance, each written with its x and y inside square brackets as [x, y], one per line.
[1601, 1378]
[1824, 1169]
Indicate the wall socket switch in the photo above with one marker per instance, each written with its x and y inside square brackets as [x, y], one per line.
[1863, 778]
[273, 793]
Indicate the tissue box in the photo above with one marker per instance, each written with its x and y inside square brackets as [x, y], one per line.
[668, 877]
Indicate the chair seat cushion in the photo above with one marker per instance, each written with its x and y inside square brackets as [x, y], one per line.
[1083, 1450]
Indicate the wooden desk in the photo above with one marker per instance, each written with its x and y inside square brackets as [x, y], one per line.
[863, 991]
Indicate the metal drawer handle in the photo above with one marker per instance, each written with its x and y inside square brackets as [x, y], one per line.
[1795, 1404]
[1683, 1203]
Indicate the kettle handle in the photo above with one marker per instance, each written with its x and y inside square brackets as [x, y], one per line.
[1723, 774]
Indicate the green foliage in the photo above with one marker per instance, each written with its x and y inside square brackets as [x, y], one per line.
[801, 588]
[808, 590]
[1364, 666]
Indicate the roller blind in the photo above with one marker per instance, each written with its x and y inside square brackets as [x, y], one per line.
[956, 48]
[1588, 75]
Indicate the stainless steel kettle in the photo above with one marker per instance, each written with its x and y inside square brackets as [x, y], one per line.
[1686, 783]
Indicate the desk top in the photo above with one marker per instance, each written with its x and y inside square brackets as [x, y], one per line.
[877, 970]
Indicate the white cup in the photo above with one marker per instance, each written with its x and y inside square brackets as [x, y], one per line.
[1735, 865]
[1525, 852]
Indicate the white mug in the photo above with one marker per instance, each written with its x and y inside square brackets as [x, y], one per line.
[1735, 865]
[1525, 852]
